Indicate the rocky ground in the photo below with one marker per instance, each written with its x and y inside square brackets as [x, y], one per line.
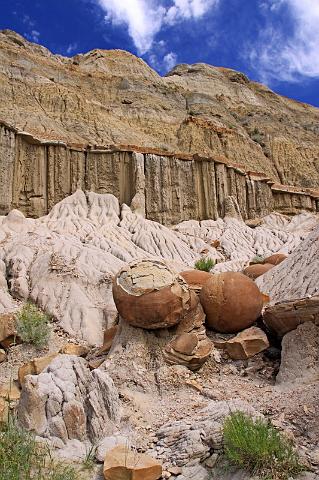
[119, 389]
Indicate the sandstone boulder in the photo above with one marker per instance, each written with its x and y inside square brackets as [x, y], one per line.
[10, 391]
[121, 463]
[195, 279]
[247, 343]
[189, 349]
[256, 270]
[35, 366]
[275, 259]
[67, 401]
[149, 294]
[231, 302]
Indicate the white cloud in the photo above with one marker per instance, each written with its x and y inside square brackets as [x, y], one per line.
[145, 18]
[71, 48]
[170, 60]
[33, 36]
[289, 56]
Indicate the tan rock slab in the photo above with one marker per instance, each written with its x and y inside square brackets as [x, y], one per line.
[10, 391]
[247, 343]
[35, 366]
[7, 328]
[123, 464]
[74, 349]
[4, 411]
[3, 355]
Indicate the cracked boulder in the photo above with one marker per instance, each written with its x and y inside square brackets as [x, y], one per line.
[231, 301]
[149, 294]
[69, 402]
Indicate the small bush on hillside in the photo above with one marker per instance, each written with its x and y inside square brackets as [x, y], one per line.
[257, 259]
[22, 458]
[205, 264]
[256, 446]
[33, 326]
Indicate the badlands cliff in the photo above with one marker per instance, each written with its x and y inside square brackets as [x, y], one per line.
[105, 121]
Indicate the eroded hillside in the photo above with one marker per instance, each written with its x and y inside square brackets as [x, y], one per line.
[113, 97]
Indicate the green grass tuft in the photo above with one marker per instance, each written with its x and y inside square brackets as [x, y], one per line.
[33, 326]
[22, 458]
[256, 446]
[257, 259]
[205, 264]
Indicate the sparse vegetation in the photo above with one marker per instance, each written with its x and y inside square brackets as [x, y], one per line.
[89, 461]
[205, 264]
[257, 259]
[33, 325]
[256, 445]
[22, 458]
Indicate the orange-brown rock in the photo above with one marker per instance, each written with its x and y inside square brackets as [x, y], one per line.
[123, 464]
[148, 294]
[7, 329]
[74, 349]
[188, 349]
[231, 302]
[3, 355]
[247, 343]
[109, 335]
[275, 259]
[35, 366]
[195, 279]
[10, 391]
[256, 270]
[4, 411]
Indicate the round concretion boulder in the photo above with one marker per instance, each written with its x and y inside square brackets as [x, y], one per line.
[149, 294]
[276, 258]
[195, 279]
[256, 270]
[231, 302]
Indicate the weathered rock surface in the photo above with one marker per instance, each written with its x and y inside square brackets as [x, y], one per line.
[35, 366]
[66, 261]
[67, 402]
[231, 302]
[255, 271]
[148, 294]
[195, 108]
[121, 463]
[300, 356]
[191, 440]
[247, 343]
[293, 288]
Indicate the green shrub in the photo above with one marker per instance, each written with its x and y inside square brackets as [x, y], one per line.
[205, 264]
[256, 446]
[22, 458]
[257, 259]
[33, 326]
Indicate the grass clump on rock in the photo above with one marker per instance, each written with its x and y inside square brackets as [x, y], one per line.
[205, 264]
[33, 326]
[22, 458]
[256, 446]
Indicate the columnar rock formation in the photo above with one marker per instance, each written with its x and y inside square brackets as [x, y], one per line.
[167, 188]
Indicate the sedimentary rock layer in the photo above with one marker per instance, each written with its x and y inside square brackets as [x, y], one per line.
[167, 188]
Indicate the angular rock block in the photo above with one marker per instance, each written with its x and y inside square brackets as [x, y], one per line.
[121, 463]
[247, 343]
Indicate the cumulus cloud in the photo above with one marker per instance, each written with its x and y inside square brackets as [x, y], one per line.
[33, 36]
[170, 60]
[288, 54]
[145, 18]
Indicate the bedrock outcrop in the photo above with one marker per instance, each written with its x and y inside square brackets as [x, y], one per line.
[63, 117]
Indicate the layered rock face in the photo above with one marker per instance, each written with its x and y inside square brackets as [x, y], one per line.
[111, 98]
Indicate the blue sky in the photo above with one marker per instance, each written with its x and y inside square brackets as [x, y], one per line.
[272, 41]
